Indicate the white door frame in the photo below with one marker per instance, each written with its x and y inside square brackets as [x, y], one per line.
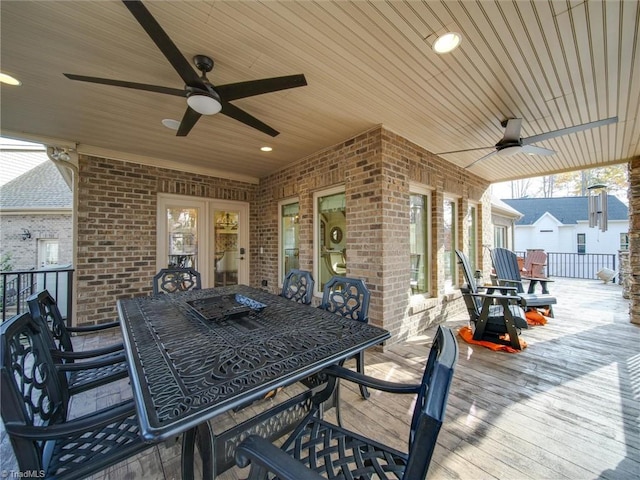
[205, 233]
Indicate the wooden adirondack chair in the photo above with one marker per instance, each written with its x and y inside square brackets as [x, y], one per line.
[491, 320]
[505, 263]
[534, 265]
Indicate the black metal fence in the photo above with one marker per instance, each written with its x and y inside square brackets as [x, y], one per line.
[17, 286]
[577, 265]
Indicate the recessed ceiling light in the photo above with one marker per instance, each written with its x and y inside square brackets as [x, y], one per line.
[447, 42]
[9, 80]
[171, 123]
[266, 149]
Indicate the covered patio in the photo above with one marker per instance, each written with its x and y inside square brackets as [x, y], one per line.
[565, 407]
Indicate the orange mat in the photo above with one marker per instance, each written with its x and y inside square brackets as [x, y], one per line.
[467, 335]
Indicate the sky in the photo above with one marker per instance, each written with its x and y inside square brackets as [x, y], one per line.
[12, 164]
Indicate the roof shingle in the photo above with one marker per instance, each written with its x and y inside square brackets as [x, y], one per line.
[40, 187]
[568, 210]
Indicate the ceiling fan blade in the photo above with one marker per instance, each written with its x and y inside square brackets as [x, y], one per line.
[242, 116]
[164, 43]
[566, 131]
[465, 150]
[512, 130]
[534, 150]
[136, 86]
[188, 121]
[233, 91]
[495, 152]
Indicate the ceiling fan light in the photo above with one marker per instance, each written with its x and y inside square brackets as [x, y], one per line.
[507, 151]
[204, 104]
[447, 43]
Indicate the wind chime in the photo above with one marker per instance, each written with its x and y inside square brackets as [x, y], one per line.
[598, 207]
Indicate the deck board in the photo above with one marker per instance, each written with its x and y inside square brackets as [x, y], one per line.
[566, 407]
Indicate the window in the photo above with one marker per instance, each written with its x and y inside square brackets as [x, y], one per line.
[182, 226]
[472, 235]
[450, 226]
[330, 229]
[624, 241]
[289, 237]
[500, 236]
[582, 240]
[419, 241]
[48, 252]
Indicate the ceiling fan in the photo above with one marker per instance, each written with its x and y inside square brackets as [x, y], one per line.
[203, 98]
[511, 142]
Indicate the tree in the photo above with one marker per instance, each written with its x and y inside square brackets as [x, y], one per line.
[519, 188]
[577, 183]
[547, 186]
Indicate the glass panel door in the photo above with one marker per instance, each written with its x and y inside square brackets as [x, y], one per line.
[230, 244]
[211, 236]
[182, 226]
[331, 236]
[226, 245]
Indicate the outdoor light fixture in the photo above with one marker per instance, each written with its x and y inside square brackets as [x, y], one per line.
[204, 104]
[25, 234]
[447, 43]
[266, 149]
[171, 123]
[60, 154]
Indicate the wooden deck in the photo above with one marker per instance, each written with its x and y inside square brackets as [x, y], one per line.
[565, 407]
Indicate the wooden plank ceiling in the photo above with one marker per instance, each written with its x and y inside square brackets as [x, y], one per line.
[554, 64]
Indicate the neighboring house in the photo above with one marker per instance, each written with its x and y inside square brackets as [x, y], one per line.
[36, 219]
[561, 225]
[503, 219]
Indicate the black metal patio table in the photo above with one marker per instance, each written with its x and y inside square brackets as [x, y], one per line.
[191, 359]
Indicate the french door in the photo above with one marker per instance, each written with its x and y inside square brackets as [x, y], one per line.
[211, 236]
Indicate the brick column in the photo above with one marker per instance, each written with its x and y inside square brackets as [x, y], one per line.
[634, 239]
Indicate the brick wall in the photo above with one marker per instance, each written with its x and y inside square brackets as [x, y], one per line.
[24, 253]
[117, 203]
[117, 224]
[375, 168]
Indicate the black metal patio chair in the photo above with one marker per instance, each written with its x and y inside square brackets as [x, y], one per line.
[86, 369]
[505, 263]
[491, 314]
[35, 405]
[348, 297]
[319, 449]
[298, 286]
[171, 280]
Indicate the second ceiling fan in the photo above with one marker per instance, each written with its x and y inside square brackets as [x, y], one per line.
[203, 98]
[511, 142]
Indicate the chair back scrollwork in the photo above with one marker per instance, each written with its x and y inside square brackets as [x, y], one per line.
[348, 297]
[44, 307]
[298, 286]
[171, 280]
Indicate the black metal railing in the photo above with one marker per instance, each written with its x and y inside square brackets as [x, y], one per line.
[577, 265]
[17, 286]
